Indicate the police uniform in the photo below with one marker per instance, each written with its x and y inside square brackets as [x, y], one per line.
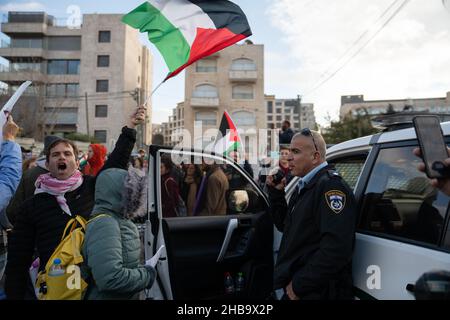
[318, 228]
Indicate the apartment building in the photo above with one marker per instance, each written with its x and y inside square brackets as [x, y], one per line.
[86, 79]
[353, 105]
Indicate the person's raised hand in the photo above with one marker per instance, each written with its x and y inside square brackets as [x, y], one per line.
[10, 129]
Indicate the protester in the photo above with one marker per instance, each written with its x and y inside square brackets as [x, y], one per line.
[27, 183]
[95, 159]
[170, 192]
[211, 201]
[29, 164]
[112, 246]
[286, 133]
[10, 172]
[59, 195]
[10, 163]
[190, 186]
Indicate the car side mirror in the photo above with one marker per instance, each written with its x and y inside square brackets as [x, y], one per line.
[433, 285]
[238, 201]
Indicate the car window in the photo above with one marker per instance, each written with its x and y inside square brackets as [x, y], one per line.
[400, 201]
[205, 186]
[350, 168]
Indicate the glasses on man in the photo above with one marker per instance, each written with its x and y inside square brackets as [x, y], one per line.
[307, 133]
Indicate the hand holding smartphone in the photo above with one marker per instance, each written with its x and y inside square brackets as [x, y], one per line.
[432, 146]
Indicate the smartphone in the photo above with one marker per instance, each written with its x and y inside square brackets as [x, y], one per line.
[432, 146]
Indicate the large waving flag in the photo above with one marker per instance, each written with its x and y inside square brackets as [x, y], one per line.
[228, 138]
[185, 31]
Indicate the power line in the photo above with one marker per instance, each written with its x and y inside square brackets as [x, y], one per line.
[359, 39]
[405, 2]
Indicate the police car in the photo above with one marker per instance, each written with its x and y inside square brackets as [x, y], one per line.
[403, 227]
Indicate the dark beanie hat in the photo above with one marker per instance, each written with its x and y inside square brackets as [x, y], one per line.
[48, 141]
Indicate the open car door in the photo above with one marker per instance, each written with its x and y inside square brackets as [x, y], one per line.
[224, 226]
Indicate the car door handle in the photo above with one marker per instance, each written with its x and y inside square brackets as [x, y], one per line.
[410, 287]
[232, 225]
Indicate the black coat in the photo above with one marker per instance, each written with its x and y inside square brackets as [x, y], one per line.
[318, 229]
[286, 136]
[41, 222]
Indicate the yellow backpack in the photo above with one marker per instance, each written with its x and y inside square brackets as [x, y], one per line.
[61, 279]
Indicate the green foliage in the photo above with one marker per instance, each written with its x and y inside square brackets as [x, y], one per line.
[348, 128]
[75, 136]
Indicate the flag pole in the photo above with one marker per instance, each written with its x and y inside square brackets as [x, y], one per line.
[151, 94]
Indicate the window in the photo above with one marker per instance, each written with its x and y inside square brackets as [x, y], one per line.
[278, 118]
[244, 118]
[63, 67]
[399, 200]
[72, 89]
[101, 111]
[269, 118]
[62, 90]
[207, 118]
[65, 43]
[104, 36]
[100, 136]
[269, 106]
[243, 65]
[103, 61]
[350, 168]
[278, 104]
[206, 65]
[239, 198]
[205, 91]
[279, 110]
[243, 92]
[102, 85]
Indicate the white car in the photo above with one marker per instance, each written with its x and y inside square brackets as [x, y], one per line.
[403, 226]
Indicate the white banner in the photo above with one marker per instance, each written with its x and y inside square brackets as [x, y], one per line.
[7, 108]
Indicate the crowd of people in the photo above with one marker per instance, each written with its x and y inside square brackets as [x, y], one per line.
[37, 204]
[41, 195]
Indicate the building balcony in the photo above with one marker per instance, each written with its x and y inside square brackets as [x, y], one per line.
[26, 22]
[204, 102]
[21, 72]
[21, 76]
[243, 76]
[22, 53]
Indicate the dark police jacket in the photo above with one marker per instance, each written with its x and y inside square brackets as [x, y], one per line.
[318, 229]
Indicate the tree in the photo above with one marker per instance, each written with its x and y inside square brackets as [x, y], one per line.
[349, 128]
[36, 112]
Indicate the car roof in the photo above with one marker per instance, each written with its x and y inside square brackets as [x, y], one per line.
[385, 137]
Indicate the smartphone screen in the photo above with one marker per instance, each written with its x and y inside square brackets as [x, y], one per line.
[431, 141]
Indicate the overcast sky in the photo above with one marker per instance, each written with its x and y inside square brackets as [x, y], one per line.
[383, 49]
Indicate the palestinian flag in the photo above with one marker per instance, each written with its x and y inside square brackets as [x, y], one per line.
[185, 31]
[228, 138]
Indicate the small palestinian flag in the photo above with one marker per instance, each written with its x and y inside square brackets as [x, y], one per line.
[228, 138]
[186, 31]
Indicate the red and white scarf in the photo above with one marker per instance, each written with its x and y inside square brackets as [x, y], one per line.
[45, 183]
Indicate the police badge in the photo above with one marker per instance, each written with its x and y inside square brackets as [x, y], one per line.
[335, 200]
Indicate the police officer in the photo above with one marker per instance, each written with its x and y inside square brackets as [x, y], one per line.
[318, 225]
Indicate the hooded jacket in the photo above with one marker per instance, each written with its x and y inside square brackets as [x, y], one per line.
[112, 245]
[97, 161]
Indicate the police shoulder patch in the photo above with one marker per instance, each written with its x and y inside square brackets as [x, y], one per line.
[335, 200]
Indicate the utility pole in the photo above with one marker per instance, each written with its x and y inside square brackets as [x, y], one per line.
[299, 105]
[87, 113]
